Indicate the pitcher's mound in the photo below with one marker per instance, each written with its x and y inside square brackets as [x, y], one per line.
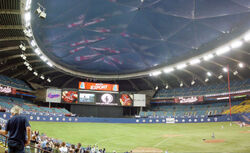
[171, 135]
[147, 150]
[214, 141]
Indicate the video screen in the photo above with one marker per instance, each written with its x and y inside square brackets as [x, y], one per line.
[70, 96]
[126, 100]
[107, 99]
[86, 98]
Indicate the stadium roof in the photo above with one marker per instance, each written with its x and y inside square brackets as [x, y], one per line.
[126, 41]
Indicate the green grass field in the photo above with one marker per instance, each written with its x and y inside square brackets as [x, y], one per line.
[125, 137]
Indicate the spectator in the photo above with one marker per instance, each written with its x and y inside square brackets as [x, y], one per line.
[47, 148]
[17, 127]
[79, 147]
[63, 148]
[56, 149]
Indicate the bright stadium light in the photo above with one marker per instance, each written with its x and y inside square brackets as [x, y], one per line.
[167, 86]
[29, 68]
[181, 66]
[50, 64]
[38, 51]
[26, 63]
[168, 70]
[235, 72]
[27, 5]
[156, 73]
[33, 43]
[35, 73]
[22, 47]
[42, 77]
[181, 84]
[208, 57]
[209, 74]
[247, 36]
[156, 88]
[43, 58]
[27, 32]
[194, 61]
[241, 65]
[48, 80]
[220, 76]
[225, 69]
[193, 82]
[222, 50]
[206, 80]
[27, 17]
[236, 44]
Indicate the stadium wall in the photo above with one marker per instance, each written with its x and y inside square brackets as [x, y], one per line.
[97, 111]
[222, 118]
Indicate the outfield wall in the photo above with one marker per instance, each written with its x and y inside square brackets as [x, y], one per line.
[223, 118]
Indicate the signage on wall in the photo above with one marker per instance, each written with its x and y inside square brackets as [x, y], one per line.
[6, 89]
[191, 99]
[98, 86]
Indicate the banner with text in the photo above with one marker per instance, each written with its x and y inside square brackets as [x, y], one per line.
[191, 99]
[139, 100]
[53, 95]
[98, 86]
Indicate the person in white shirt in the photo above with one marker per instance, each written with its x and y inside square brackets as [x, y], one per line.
[63, 148]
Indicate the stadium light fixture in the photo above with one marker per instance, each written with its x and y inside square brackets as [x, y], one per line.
[181, 84]
[27, 32]
[220, 76]
[236, 44]
[22, 47]
[35, 73]
[209, 74]
[42, 77]
[241, 65]
[41, 11]
[225, 69]
[27, 17]
[156, 73]
[208, 57]
[181, 66]
[193, 82]
[235, 72]
[26, 63]
[27, 5]
[222, 50]
[23, 56]
[50, 64]
[194, 61]
[38, 51]
[156, 88]
[33, 43]
[29, 68]
[206, 80]
[168, 70]
[167, 86]
[247, 36]
[48, 80]
[44, 58]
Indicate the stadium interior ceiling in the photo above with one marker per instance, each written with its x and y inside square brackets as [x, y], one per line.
[12, 64]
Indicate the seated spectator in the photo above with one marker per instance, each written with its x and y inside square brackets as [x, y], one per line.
[79, 147]
[63, 148]
[47, 148]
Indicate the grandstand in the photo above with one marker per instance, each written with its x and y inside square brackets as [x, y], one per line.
[105, 72]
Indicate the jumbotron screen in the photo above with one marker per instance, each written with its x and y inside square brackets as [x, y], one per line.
[86, 97]
[70, 96]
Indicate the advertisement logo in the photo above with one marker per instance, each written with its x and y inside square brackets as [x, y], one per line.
[107, 98]
[50, 95]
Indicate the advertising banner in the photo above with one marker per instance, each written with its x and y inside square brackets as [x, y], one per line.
[98, 86]
[170, 120]
[5, 89]
[69, 96]
[107, 99]
[53, 95]
[139, 100]
[191, 99]
[126, 99]
[86, 97]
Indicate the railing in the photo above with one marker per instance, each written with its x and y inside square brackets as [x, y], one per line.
[28, 149]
